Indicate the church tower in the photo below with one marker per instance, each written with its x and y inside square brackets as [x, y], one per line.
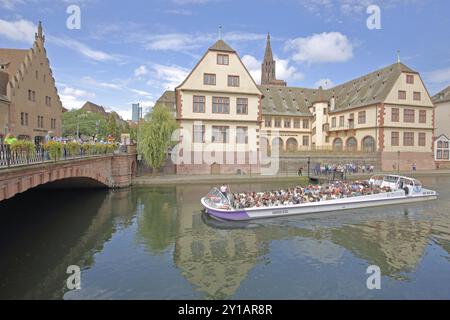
[268, 70]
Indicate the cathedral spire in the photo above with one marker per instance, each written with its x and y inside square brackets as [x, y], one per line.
[40, 33]
[268, 69]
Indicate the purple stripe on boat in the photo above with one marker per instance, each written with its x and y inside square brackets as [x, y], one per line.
[234, 215]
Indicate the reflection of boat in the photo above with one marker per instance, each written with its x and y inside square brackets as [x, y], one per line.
[402, 190]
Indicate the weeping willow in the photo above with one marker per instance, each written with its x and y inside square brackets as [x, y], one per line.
[154, 139]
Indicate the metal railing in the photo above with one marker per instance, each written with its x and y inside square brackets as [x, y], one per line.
[10, 158]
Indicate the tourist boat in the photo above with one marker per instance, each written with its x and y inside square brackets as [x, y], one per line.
[403, 190]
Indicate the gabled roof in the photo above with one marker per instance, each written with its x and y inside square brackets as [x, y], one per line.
[287, 100]
[167, 100]
[372, 88]
[443, 96]
[221, 46]
[12, 58]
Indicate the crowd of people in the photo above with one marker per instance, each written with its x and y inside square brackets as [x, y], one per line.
[346, 168]
[307, 194]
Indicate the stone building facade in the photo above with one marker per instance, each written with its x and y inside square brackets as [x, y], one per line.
[388, 112]
[26, 81]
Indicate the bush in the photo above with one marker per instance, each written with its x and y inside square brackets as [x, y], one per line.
[21, 146]
[73, 148]
[55, 149]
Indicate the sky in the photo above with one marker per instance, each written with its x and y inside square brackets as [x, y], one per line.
[123, 52]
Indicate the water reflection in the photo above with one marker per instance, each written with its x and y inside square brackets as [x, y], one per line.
[176, 247]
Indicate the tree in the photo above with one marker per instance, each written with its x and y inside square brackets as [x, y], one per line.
[86, 123]
[113, 128]
[155, 137]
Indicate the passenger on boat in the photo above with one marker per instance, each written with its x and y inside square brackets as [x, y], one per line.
[307, 194]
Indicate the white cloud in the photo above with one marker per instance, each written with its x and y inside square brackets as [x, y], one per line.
[141, 93]
[9, 4]
[324, 83]
[283, 69]
[438, 76]
[141, 71]
[73, 98]
[20, 30]
[105, 85]
[83, 49]
[321, 48]
[169, 76]
[351, 7]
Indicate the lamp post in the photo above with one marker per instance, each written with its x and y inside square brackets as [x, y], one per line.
[398, 162]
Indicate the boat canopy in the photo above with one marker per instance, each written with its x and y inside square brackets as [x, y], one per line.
[216, 199]
[395, 179]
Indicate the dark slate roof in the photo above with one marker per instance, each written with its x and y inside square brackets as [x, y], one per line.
[221, 46]
[372, 88]
[443, 96]
[167, 100]
[286, 100]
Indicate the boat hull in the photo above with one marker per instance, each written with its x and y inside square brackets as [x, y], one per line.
[317, 207]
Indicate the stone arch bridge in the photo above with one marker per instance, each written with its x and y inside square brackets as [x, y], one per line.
[111, 171]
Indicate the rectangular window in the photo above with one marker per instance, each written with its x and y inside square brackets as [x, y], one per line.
[447, 154]
[287, 123]
[268, 122]
[199, 104]
[33, 95]
[223, 59]
[242, 106]
[333, 122]
[242, 135]
[199, 133]
[233, 81]
[422, 139]
[22, 118]
[417, 96]
[220, 134]
[296, 124]
[361, 117]
[395, 116]
[439, 155]
[209, 79]
[409, 79]
[305, 141]
[401, 95]
[221, 105]
[277, 122]
[341, 121]
[422, 116]
[305, 124]
[30, 95]
[409, 115]
[395, 139]
[408, 139]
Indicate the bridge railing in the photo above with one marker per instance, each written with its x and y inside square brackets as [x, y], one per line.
[12, 158]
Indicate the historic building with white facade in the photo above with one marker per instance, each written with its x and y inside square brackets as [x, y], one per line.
[442, 149]
[388, 112]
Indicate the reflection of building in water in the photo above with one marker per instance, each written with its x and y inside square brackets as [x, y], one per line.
[395, 246]
[214, 261]
[64, 236]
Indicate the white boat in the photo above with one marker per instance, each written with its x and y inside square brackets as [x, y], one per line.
[402, 190]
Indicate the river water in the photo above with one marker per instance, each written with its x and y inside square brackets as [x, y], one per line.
[154, 243]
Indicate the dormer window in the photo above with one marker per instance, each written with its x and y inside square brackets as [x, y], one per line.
[223, 59]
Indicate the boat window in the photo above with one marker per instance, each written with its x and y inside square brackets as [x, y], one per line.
[217, 199]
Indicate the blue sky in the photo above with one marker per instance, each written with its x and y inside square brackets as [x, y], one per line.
[132, 51]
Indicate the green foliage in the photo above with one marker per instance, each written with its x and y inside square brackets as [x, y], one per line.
[54, 149]
[113, 127]
[73, 148]
[89, 124]
[23, 146]
[155, 135]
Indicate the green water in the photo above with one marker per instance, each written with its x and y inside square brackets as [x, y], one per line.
[154, 243]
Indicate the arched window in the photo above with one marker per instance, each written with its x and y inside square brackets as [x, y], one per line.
[292, 145]
[368, 144]
[338, 144]
[352, 144]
